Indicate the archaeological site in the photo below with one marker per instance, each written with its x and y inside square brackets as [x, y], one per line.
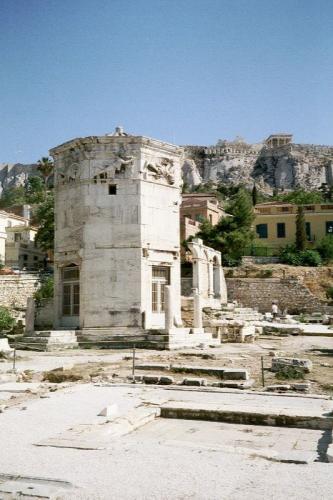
[166, 250]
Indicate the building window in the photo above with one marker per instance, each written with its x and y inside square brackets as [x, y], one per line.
[261, 230]
[112, 188]
[25, 257]
[281, 230]
[71, 291]
[329, 227]
[160, 278]
[17, 237]
[308, 231]
[211, 218]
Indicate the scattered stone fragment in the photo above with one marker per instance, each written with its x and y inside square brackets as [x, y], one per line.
[194, 381]
[303, 364]
[136, 378]
[330, 453]
[164, 380]
[235, 374]
[151, 379]
[278, 388]
[153, 366]
[234, 384]
[301, 387]
[109, 411]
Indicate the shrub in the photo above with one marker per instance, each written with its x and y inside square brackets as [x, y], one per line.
[325, 248]
[289, 255]
[310, 258]
[6, 319]
[329, 292]
[45, 291]
[289, 372]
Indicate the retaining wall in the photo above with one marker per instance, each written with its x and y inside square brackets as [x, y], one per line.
[15, 289]
[290, 293]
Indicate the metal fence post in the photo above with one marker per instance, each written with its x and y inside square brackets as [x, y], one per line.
[133, 364]
[14, 356]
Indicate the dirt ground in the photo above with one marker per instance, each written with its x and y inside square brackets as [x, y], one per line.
[116, 365]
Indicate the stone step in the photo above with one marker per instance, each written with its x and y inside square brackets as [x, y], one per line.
[251, 416]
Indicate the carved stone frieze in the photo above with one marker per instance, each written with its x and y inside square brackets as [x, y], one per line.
[119, 165]
[164, 169]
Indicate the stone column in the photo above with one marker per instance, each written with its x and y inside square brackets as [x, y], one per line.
[196, 273]
[210, 280]
[197, 309]
[30, 316]
[57, 297]
[168, 306]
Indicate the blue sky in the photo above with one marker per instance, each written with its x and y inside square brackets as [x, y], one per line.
[184, 71]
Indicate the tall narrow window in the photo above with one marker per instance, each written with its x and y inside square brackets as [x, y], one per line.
[281, 230]
[160, 278]
[261, 230]
[71, 291]
[308, 231]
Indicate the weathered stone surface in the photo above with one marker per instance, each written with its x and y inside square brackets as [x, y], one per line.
[109, 411]
[290, 293]
[278, 388]
[304, 364]
[301, 386]
[194, 381]
[152, 366]
[235, 374]
[164, 380]
[151, 379]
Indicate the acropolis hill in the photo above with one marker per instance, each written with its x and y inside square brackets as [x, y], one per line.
[275, 163]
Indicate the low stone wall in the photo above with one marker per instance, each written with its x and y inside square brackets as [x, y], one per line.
[290, 293]
[15, 290]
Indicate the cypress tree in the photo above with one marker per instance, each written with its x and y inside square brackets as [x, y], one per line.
[300, 229]
[254, 195]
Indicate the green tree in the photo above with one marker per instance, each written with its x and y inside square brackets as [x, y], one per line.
[35, 191]
[232, 235]
[301, 197]
[6, 319]
[45, 291]
[45, 165]
[45, 218]
[12, 196]
[300, 229]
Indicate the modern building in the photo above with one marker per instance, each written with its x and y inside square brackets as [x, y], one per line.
[17, 243]
[197, 207]
[275, 223]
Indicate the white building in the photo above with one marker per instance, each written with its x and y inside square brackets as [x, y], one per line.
[17, 242]
[117, 239]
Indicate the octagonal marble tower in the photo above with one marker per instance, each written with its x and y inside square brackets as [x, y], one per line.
[117, 244]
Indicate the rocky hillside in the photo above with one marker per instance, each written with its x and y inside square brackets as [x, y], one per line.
[285, 167]
[15, 174]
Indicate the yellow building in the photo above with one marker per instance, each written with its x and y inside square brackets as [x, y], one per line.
[275, 224]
